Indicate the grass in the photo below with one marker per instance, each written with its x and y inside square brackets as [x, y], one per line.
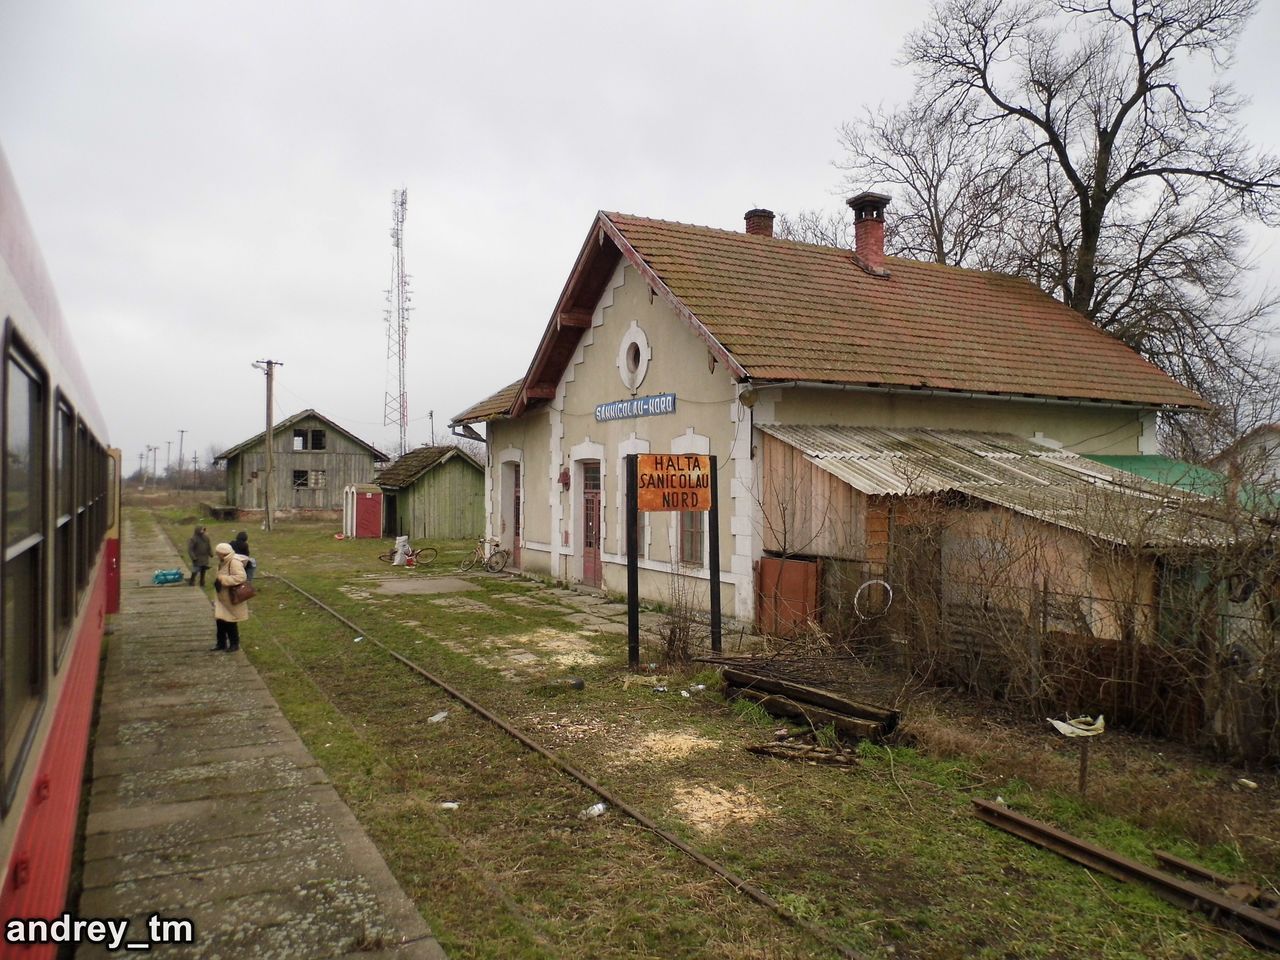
[886, 856]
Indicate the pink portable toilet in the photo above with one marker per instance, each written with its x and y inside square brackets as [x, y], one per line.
[362, 511]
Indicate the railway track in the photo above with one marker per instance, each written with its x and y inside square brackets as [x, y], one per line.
[735, 881]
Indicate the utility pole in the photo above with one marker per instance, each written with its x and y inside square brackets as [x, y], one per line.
[195, 468]
[180, 435]
[168, 461]
[151, 451]
[142, 469]
[269, 368]
[431, 415]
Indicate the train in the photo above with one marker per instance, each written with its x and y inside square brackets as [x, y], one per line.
[60, 527]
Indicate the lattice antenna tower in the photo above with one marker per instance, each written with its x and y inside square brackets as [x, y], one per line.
[399, 302]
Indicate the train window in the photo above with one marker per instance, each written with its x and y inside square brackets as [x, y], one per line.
[111, 481]
[64, 581]
[24, 512]
[82, 506]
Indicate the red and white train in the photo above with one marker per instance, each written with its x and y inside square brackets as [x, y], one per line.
[60, 576]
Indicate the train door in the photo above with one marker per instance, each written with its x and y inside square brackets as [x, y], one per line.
[591, 568]
[113, 531]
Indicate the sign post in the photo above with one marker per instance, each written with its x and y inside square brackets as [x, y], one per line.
[713, 522]
[633, 567]
[670, 482]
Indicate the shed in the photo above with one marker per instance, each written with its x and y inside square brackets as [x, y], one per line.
[314, 460]
[362, 511]
[433, 493]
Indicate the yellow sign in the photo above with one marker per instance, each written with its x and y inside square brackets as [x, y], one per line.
[673, 481]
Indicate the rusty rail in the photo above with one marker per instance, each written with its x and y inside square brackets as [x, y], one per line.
[738, 883]
[1252, 924]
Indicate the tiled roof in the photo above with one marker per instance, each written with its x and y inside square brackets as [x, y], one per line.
[1055, 486]
[415, 463]
[794, 311]
[491, 407]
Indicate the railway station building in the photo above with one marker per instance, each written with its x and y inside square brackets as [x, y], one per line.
[828, 383]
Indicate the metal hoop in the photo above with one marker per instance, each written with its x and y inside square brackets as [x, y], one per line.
[858, 596]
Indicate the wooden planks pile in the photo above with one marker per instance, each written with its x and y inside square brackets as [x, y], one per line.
[852, 719]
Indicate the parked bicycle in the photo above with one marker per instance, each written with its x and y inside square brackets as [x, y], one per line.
[414, 558]
[488, 555]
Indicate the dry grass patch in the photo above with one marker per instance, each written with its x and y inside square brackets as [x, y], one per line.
[710, 808]
[674, 745]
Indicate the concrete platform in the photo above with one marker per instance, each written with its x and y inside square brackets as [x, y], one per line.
[205, 805]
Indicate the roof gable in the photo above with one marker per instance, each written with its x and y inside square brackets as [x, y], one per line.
[406, 471]
[777, 310]
[287, 424]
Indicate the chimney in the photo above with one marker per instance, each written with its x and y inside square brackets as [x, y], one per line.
[868, 230]
[760, 222]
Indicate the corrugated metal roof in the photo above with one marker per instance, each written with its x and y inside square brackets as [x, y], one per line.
[1056, 486]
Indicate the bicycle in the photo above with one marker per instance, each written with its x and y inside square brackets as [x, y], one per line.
[414, 558]
[492, 560]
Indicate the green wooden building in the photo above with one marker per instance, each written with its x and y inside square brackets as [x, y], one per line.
[433, 493]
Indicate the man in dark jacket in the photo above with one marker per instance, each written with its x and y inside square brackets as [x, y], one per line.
[240, 545]
[200, 551]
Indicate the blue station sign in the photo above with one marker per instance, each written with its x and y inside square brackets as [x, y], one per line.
[654, 406]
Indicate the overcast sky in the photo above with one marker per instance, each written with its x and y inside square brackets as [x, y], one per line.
[211, 182]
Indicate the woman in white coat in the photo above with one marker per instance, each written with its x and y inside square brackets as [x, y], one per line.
[228, 615]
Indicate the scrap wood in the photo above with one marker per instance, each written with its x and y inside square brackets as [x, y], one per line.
[805, 751]
[1251, 923]
[886, 717]
[814, 716]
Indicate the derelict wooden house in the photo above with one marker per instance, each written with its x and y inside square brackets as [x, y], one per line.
[433, 493]
[314, 459]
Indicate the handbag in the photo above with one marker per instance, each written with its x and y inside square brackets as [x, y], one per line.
[241, 592]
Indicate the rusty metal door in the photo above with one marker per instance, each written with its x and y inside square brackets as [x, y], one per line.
[786, 596]
[591, 567]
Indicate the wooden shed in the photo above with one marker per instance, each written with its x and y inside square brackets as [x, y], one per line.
[314, 461]
[433, 493]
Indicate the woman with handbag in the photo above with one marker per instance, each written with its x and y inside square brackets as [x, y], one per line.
[230, 598]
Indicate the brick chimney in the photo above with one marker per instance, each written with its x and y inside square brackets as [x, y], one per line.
[868, 230]
[760, 222]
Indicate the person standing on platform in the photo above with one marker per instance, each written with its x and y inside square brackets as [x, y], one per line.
[241, 547]
[200, 551]
[227, 615]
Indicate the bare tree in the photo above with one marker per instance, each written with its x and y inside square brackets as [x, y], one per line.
[1055, 139]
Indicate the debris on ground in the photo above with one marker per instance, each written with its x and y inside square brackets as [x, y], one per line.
[807, 752]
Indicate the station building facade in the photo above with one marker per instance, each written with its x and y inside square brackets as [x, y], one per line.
[673, 338]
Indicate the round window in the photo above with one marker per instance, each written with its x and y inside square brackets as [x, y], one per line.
[633, 357]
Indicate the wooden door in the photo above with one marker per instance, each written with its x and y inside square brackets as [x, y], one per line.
[591, 568]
